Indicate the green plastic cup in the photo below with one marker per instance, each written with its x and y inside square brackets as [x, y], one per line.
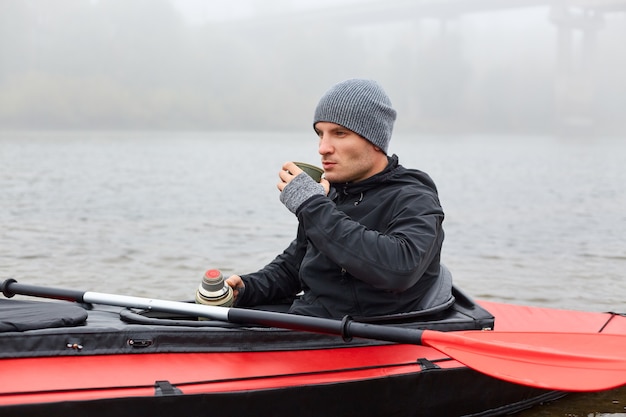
[311, 170]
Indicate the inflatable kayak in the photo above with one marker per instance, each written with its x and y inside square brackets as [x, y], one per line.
[102, 354]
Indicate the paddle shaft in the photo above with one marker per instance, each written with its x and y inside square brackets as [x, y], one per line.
[345, 328]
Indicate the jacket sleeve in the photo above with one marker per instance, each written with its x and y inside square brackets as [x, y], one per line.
[392, 257]
[277, 281]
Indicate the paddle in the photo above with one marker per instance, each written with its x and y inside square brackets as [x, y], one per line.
[555, 361]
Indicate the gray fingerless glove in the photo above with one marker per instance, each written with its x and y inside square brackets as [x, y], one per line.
[300, 189]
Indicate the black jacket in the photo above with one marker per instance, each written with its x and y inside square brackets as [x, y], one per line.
[369, 248]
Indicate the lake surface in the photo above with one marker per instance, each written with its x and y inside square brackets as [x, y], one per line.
[529, 220]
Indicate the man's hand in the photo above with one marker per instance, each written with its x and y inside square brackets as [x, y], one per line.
[297, 187]
[290, 171]
[236, 283]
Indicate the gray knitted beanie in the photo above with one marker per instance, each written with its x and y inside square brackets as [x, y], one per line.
[361, 106]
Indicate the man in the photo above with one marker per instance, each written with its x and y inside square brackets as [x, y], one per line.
[370, 233]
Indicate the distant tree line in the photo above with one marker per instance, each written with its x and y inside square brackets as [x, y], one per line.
[118, 64]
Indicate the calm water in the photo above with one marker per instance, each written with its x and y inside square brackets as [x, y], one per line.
[531, 220]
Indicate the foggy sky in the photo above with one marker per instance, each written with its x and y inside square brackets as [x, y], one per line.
[193, 64]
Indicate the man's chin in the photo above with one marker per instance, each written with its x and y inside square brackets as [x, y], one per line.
[331, 178]
[337, 180]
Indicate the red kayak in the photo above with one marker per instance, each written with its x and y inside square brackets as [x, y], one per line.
[107, 355]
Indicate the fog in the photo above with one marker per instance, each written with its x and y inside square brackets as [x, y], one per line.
[455, 66]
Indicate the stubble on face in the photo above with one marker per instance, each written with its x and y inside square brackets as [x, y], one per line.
[347, 156]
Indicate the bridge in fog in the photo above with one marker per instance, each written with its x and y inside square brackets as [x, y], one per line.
[375, 11]
[577, 23]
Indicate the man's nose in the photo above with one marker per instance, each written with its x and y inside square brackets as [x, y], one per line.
[324, 147]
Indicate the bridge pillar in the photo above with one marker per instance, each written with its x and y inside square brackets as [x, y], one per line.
[575, 69]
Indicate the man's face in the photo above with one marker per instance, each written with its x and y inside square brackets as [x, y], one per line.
[346, 156]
